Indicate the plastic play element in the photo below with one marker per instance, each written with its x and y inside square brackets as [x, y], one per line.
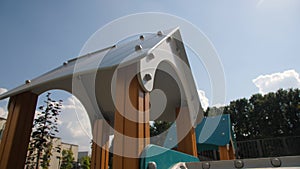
[215, 133]
[163, 158]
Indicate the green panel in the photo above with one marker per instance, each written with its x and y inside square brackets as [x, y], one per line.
[164, 158]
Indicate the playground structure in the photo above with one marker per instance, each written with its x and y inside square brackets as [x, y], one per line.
[215, 133]
[123, 88]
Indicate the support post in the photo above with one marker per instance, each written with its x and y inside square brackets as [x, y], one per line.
[185, 132]
[226, 152]
[16, 136]
[100, 145]
[132, 130]
[223, 152]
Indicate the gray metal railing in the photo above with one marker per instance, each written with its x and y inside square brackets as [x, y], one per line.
[271, 147]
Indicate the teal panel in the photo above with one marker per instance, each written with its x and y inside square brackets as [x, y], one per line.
[171, 138]
[210, 133]
[163, 157]
[214, 130]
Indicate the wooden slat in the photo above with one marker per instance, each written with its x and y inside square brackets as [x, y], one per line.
[100, 150]
[132, 102]
[105, 145]
[147, 118]
[13, 148]
[119, 121]
[93, 159]
[131, 144]
[8, 127]
[224, 155]
[185, 132]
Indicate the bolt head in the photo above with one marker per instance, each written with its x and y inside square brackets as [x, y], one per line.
[238, 164]
[142, 37]
[147, 77]
[138, 47]
[150, 57]
[206, 165]
[169, 39]
[152, 165]
[275, 162]
[159, 33]
[27, 81]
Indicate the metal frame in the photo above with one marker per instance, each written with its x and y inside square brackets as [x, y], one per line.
[152, 61]
[284, 162]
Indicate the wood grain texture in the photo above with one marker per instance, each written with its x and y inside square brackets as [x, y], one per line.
[131, 119]
[16, 135]
[185, 132]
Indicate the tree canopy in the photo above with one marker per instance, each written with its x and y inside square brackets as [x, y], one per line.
[67, 159]
[85, 162]
[44, 129]
[276, 114]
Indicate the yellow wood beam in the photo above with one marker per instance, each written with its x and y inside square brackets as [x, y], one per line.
[16, 136]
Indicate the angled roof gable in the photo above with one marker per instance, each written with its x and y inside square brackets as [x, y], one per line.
[162, 64]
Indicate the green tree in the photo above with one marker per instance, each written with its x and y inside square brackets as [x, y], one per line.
[214, 111]
[274, 114]
[239, 112]
[44, 129]
[157, 129]
[85, 162]
[67, 159]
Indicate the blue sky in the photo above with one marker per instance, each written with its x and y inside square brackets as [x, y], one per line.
[255, 39]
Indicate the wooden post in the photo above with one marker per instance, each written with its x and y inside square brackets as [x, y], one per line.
[226, 152]
[132, 130]
[185, 132]
[100, 146]
[16, 136]
[223, 152]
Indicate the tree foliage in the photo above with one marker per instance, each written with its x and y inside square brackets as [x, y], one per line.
[44, 129]
[158, 127]
[276, 114]
[85, 162]
[67, 159]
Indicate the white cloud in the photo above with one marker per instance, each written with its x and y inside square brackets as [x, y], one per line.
[74, 124]
[259, 3]
[3, 104]
[2, 90]
[203, 99]
[3, 112]
[218, 105]
[275, 81]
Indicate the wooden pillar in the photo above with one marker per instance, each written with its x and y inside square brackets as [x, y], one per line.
[226, 152]
[185, 132]
[223, 152]
[100, 145]
[16, 136]
[132, 130]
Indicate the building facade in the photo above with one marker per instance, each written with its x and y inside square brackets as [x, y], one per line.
[55, 162]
